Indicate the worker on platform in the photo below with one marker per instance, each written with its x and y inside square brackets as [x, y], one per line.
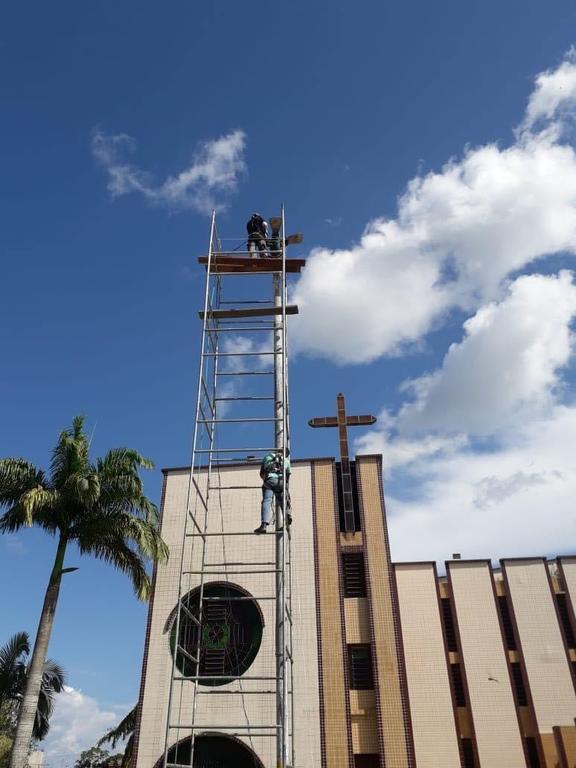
[257, 230]
[273, 487]
[274, 243]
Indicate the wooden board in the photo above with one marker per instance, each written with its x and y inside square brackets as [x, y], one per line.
[223, 314]
[228, 262]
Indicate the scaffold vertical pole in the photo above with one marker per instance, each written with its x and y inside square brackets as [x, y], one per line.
[281, 533]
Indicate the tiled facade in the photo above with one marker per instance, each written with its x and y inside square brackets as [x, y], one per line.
[431, 703]
[409, 669]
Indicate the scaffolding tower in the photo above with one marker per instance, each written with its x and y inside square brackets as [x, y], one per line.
[242, 390]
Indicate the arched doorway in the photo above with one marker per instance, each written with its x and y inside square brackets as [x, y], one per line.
[213, 750]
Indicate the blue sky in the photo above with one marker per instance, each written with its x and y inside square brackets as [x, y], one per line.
[348, 114]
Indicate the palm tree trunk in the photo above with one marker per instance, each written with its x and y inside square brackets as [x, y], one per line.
[27, 712]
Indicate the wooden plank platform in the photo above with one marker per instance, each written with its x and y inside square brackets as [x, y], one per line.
[231, 262]
[224, 314]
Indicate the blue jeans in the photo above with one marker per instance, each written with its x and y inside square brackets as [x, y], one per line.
[272, 488]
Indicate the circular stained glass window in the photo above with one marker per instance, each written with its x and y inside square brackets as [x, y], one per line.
[213, 750]
[230, 633]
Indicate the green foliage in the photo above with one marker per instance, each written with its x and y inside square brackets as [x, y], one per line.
[124, 730]
[99, 504]
[13, 660]
[5, 747]
[98, 758]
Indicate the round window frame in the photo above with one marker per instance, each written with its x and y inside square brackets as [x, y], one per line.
[185, 666]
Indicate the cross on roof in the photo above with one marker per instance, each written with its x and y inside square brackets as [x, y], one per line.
[342, 421]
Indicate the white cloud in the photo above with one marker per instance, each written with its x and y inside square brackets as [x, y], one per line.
[459, 233]
[480, 461]
[506, 368]
[515, 500]
[555, 91]
[77, 724]
[213, 174]
[246, 354]
[505, 372]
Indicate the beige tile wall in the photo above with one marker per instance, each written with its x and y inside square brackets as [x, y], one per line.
[569, 572]
[334, 681]
[380, 571]
[484, 660]
[541, 641]
[357, 619]
[238, 511]
[431, 708]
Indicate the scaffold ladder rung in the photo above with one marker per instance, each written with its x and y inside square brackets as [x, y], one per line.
[220, 727]
[239, 354]
[269, 534]
[248, 420]
[246, 373]
[244, 397]
[229, 573]
[243, 329]
[232, 562]
[235, 450]
[231, 678]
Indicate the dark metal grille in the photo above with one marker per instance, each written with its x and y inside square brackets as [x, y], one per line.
[366, 761]
[230, 634]
[344, 513]
[532, 751]
[468, 760]
[565, 619]
[354, 575]
[449, 623]
[519, 687]
[360, 667]
[504, 609]
[458, 685]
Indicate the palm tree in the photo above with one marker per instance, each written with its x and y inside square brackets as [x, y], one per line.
[13, 675]
[124, 729]
[101, 507]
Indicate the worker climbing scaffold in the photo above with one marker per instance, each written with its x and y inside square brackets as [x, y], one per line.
[206, 646]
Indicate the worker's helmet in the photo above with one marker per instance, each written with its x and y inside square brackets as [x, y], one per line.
[256, 216]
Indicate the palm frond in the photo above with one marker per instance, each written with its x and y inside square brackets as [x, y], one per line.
[53, 678]
[53, 681]
[18, 645]
[109, 527]
[120, 460]
[36, 500]
[82, 488]
[116, 552]
[16, 477]
[124, 728]
[70, 455]
[127, 761]
[12, 665]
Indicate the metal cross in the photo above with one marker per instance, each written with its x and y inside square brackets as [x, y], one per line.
[342, 421]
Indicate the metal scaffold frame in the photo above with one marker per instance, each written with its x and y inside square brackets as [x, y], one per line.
[224, 316]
